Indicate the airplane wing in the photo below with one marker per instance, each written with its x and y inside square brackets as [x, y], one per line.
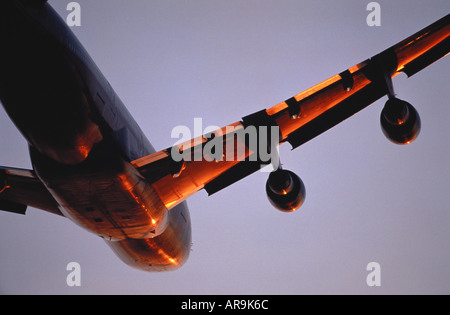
[180, 171]
[20, 188]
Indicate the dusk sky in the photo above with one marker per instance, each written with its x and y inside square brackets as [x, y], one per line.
[367, 200]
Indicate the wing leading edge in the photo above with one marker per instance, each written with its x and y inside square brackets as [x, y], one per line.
[299, 119]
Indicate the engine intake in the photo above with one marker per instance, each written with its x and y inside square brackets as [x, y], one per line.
[400, 122]
[285, 190]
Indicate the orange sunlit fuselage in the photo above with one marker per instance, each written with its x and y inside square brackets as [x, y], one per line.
[82, 140]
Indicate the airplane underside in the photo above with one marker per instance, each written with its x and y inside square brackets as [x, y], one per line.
[93, 165]
[58, 100]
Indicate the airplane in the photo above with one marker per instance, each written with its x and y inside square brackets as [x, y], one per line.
[93, 165]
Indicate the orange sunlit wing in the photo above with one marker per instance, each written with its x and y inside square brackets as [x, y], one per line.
[175, 181]
[335, 99]
[299, 118]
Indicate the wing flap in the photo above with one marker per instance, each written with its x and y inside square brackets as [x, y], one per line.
[338, 113]
[13, 207]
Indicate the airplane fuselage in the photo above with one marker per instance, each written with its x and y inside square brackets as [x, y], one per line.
[82, 140]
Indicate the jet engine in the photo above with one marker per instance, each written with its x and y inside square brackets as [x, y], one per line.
[285, 190]
[400, 121]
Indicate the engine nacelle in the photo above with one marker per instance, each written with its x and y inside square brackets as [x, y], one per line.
[285, 190]
[400, 121]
